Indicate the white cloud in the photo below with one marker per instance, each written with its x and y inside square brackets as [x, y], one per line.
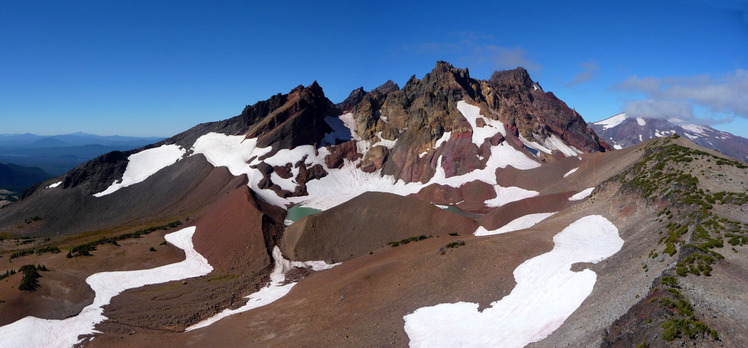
[476, 49]
[725, 96]
[505, 57]
[664, 109]
[589, 71]
[635, 83]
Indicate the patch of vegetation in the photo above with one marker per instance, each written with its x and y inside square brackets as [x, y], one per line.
[456, 244]
[664, 173]
[686, 328]
[395, 244]
[32, 219]
[30, 277]
[224, 277]
[683, 324]
[7, 274]
[47, 249]
[87, 248]
[453, 234]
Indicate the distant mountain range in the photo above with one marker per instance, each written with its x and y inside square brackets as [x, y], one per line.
[624, 130]
[57, 154]
[17, 178]
[72, 139]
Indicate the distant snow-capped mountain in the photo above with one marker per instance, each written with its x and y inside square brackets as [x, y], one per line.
[623, 131]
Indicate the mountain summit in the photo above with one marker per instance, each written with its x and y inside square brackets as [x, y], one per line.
[623, 130]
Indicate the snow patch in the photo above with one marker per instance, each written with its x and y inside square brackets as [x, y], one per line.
[696, 129]
[145, 163]
[55, 184]
[662, 134]
[442, 140]
[509, 194]
[472, 114]
[551, 143]
[273, 291]
[546, 294]
[571, 172]
[641, 121]
[517, 224]
[555, 142]
[35, 332]
[612, 121]
[384, 142]
[582, 194]
[618, 147]
[350, 123]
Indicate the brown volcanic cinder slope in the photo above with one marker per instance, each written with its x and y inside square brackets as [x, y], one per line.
[235, 236]
[366, 223]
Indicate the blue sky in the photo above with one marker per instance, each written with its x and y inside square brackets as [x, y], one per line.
[155, 68]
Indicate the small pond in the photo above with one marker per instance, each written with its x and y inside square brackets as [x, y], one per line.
[299, 211]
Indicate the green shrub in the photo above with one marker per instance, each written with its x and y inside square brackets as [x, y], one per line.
[456, 244]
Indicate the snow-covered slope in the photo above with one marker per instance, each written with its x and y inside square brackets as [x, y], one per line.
[624, 130]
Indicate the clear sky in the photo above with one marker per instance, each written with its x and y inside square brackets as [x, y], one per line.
[155, 68]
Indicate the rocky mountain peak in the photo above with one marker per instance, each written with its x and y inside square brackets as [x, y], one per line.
[353, 99]
[386, 88]
[515, 77]
[298, 121]
[445, 76]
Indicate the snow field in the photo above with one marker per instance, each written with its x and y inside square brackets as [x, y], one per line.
[517, 224]
[55, 184]
[582, 194]
[35, 332]
[547, 292]
[145, 163]
[273, 291]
